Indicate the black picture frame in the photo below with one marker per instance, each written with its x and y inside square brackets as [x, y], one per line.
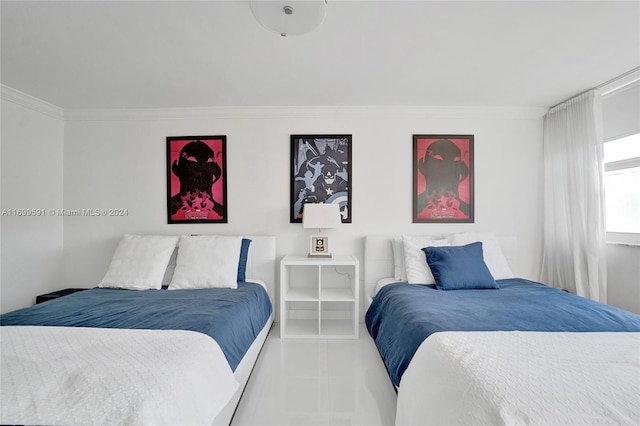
[321, 173]
[197, 179]
[443, 179]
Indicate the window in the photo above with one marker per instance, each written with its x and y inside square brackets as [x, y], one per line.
[622, 189]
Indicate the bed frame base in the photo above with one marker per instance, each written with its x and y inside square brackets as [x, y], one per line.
[243, 374]
[261, 263]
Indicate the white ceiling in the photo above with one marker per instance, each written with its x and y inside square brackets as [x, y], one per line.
[154, 54]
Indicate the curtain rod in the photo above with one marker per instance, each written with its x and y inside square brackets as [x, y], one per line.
[620, 77]
[606, 83]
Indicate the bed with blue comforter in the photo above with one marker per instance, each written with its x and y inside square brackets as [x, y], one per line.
[402, 316]
[232, 317]
[131, 351]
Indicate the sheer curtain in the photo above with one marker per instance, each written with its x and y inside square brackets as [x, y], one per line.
[574, 254]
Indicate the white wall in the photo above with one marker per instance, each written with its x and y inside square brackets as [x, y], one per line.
[32, 139]
[117, 160]
[621, 117]
[623, 276]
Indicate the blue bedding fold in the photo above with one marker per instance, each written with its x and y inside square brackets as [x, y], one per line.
[402, 315]
[233, 317]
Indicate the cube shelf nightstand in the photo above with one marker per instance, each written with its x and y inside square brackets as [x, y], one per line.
[319, 297]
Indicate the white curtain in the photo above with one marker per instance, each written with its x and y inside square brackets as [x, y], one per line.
[574, 254]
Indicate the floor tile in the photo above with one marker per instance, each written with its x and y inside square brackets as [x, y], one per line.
[318, 382]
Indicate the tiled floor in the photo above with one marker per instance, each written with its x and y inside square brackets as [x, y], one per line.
[317, 382]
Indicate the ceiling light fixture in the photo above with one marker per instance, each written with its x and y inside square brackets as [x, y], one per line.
[289, 17]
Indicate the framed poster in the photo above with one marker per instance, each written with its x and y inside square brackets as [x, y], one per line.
[196, 179]
[321, 173]
[443, 178]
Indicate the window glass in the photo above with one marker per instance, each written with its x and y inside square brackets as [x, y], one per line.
[622, 184]
[622, 149]
[623, 200]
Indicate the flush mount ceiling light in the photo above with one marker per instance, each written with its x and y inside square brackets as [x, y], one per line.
[292, 17]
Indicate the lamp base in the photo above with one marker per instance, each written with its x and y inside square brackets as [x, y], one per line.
[321, 256]
[319, 246]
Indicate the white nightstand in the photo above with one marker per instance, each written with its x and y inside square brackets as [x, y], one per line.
[319, 297]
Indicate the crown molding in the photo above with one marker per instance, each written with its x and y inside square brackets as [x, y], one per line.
[272, 112]
[30, 102]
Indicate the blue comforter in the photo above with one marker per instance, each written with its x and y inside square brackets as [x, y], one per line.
[233, 317]
[402, 315]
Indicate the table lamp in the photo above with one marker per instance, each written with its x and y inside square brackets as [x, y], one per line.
[320, 216]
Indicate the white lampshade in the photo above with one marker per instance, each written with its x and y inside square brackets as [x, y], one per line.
[289, 17]
[321, 216]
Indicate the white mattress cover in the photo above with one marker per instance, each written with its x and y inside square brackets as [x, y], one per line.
[73, 375]
[383, 282]
[476, 378]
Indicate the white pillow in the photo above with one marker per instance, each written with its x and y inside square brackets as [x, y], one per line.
[415, 261]
[399, 270]
[206, 261]
[139, 262]
[491, 251]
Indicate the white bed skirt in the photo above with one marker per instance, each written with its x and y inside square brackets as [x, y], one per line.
[507, 378]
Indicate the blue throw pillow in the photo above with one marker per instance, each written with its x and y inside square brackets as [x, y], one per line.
[242, 264]
[459, 267]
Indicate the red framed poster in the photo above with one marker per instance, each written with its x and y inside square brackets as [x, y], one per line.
[196, 179]
[443, 178]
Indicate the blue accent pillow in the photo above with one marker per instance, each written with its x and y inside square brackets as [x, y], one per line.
[242, 264]
[459, 267]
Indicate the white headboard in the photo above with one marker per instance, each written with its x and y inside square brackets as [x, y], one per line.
[378, 259]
